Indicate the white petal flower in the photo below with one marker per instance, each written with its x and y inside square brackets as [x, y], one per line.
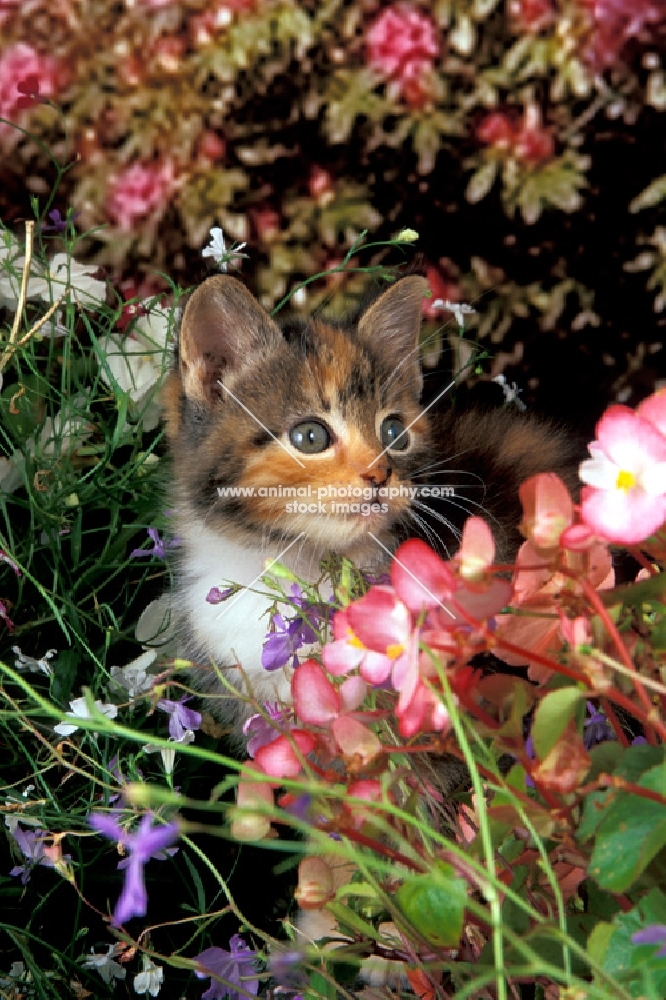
[11, 472]
[139, 361]
[65, 275]
[64, 433]
[150, 979]
[133, 677]
[107, 968]
[79, 708]
[459, 310]
[217, 249]
[169, 754]
[23, 662]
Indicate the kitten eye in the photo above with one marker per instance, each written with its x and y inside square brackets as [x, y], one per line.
[310, 437]
[392, 428]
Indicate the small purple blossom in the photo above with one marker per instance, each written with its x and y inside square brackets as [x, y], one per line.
[654, 934]
[159, 548]
[142, 846]
[288, 635]
[181, 718]
[216, 596]
[227, 969]
[59, 225]
[597, 727]
[33, 845]
[286, 967]
[262, 730]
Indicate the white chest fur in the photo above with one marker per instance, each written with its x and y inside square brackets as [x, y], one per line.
[234, 631]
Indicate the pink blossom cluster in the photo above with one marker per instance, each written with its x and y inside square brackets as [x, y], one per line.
[24, 70]
[527, 140]
[615, 22]
[139, 190]
[401, 45]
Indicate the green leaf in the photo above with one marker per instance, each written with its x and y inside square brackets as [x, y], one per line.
[434, 905]
[552, 717]
[481, 182]
[632, 832]
[598, 941]
[651, 195]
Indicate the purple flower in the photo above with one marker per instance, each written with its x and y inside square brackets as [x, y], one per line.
[287, 968]
[59, 224]
[288, 635]
[159, 548]
[654, 934]
[597, 727]
[226, 969]
[262, 730]
[142, 846]
[32, 844]
[216, 596]
[182, 718]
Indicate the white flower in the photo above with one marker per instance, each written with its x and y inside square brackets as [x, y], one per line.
[79, 708]
[217, 249]
[138, 362]
[169, 754]
[65, 275]
[11, 470]
[459, 310]
[511, 392]
[107, 968]
[64, 433]
[23, 662]
[157, 627]
[133, 677]
[150, 980]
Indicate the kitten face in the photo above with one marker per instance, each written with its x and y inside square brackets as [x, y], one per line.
[296, 418]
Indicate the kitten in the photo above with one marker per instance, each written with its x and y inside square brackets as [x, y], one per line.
[255, 404]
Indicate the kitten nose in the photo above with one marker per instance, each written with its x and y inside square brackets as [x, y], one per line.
[378, 474]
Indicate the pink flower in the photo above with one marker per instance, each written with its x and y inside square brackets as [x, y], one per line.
[401, 45]
[624, 500]
[547, 510]
[139, 190]
[23, 70]
[615, 22]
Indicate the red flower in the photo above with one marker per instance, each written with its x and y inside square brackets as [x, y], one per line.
[401, 45]
[526, 140]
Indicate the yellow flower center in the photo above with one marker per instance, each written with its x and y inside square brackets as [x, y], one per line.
[625, 480]
[395, 650]
[354, 640]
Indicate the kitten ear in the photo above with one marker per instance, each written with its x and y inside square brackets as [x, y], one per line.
[392, 323]
[222, 324]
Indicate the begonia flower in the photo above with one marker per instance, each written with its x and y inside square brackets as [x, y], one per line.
[230, 971]
[401, 45]
[624, 500]
[142, 845]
